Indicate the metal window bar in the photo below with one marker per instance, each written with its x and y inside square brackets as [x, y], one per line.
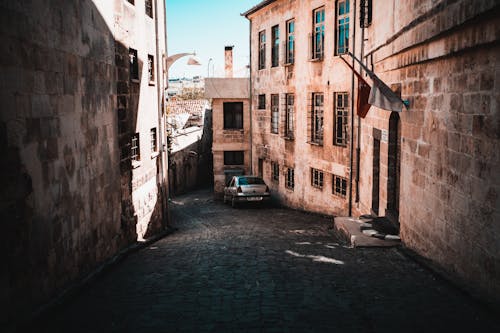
[290, 42]
[149, 8]
[262, 102]
[289, 116]
[290, 178]
[339, 185]
[151, 68]
[309, 116]
[275, 113]
[154, 145]
[341, 118]
[317, 119]
[316, 178]
[134, 148]
[275, 172]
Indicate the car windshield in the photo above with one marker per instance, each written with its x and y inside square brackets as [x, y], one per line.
[250, 181]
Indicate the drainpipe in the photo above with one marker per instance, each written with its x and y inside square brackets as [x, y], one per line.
[250, 92]
[162, 158]
[351, 145]
[358, 148]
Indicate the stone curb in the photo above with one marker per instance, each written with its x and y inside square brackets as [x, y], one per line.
[74, 288]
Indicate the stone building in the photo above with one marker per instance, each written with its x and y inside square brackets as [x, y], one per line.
[231, 121]
[80, 137]
[432, 169]
[300, 96]
[190, 145]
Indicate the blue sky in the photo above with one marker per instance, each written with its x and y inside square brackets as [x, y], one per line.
[205, 27]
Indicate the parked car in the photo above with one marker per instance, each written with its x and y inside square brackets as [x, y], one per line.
[246, 189]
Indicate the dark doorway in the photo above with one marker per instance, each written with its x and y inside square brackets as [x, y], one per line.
[394, 166]
[376, 171]
[260, 168]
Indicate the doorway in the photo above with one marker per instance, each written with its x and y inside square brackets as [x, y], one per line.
[376, 172]
[393, 166]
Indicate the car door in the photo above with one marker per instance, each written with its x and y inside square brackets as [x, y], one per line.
[228, 190]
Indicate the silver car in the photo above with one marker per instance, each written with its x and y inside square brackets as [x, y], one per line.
[246, 189]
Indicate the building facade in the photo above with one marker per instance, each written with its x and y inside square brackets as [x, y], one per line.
[301, 92]
[80, 131]
[432, 169]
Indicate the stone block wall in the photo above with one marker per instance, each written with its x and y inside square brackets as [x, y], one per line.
[445, 58]
[60, 205]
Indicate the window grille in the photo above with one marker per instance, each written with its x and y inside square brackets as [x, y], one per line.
[317, 178]
[134, 64]
[317, 119]
[135, 153]
[149, 8]
[339, 186]
[365, 13]
[341, 118]
[275, 176]
[154, 145]
[151, 68]
[290, 178]
[274, 113]
[289, 117]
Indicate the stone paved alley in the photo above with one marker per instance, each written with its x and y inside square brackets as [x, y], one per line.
[256, 269]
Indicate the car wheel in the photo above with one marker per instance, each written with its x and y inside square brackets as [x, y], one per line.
[233, 203]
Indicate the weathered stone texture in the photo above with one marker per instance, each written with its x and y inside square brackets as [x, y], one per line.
[61, 204]
[450, 162]
[305, 77]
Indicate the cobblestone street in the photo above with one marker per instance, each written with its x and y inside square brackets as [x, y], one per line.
[255, 269]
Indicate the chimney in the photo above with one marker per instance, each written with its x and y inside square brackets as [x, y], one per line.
[228, 64]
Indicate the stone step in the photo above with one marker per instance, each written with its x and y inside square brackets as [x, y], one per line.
[350, 227]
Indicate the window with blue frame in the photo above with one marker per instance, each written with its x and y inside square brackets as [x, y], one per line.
[342, 42]
[318, 33]
[290, 42]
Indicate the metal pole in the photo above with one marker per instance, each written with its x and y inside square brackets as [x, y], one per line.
[351, 146]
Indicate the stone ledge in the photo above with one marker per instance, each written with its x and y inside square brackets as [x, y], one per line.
[350, 228]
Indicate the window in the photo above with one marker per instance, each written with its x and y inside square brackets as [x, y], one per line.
[290, 42]
[275, 172]
[365, 11]
[318, 36]
[317, 119]
[135, 152]
[134, 64]
[275, 114]
[233, 157]
[151, 69]
[233, 115]
[149, 8]
[262, 102]
[316, 178]
[154, 145]
[339, 186]
[342, 43]
[131, 1]
[290, 178]
[289, 116]
[275, 54]
[262, 49]
[341, 114]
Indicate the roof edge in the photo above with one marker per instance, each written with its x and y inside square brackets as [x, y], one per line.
[257, 7]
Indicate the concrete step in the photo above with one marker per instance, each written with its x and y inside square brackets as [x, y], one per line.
[351, 228]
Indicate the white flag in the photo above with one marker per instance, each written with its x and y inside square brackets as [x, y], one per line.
[383, 97]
